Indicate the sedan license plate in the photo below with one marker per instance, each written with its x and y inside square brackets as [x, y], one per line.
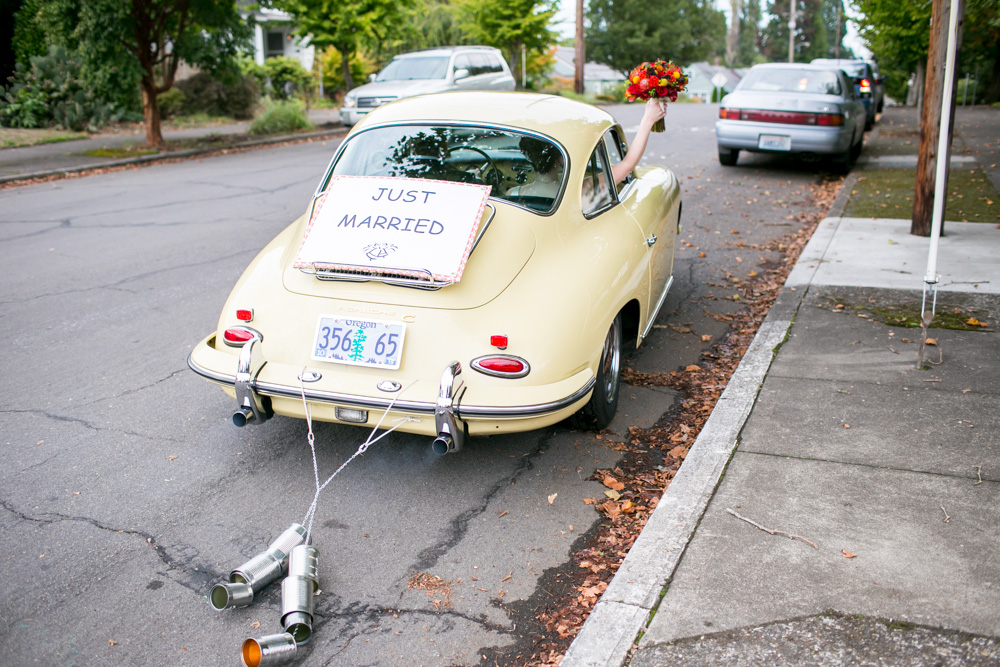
[774, 142]
[347, 340]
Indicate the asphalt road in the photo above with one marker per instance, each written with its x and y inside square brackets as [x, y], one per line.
[125, 492]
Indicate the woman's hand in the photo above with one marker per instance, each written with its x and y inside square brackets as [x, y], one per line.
[656, 109]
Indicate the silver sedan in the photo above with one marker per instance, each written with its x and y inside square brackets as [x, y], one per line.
[809, 111]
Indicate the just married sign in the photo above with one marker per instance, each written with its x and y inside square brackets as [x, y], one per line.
[407, 226]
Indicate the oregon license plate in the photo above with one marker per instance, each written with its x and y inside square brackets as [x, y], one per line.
[774, 142]
[348, 340]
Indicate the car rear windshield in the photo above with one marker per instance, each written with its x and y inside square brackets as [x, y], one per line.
[419, 67]
[785, 80]
[522, 168]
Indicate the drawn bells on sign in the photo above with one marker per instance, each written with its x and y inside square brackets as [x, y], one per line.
[377, 251]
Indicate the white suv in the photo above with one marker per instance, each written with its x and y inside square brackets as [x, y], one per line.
[431, 71]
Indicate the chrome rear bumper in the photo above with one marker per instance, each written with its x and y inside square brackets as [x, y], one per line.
[450, 414]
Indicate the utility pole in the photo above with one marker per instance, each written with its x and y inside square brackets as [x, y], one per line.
[580, 52]
[930, 118]
[791, 30]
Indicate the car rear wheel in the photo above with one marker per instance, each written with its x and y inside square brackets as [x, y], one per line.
[728, 156]
[603, 404]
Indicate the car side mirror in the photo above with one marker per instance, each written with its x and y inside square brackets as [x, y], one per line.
[461, 73]
[372, 77]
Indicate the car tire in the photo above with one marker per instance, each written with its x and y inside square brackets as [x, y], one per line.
[728, 156]
[603, 403]
[856, 150]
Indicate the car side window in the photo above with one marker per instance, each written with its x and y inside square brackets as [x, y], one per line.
[615, 147]
[596, 196]
[463, 61]
[494, 64]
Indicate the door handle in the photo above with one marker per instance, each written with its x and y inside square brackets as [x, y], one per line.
[650, 241]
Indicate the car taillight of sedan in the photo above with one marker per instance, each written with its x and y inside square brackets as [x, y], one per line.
[866, 86]
[784, 117]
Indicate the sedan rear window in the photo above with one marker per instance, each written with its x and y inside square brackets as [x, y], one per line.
[407, 69]
[522, 168]
[785, 80]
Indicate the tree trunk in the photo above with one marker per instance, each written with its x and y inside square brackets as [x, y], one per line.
[930, 119]
[580, 52]
[993, 89]
[733, 36]
[345, 69]
[151, 116]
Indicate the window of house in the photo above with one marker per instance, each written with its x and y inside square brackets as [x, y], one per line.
[274, 44]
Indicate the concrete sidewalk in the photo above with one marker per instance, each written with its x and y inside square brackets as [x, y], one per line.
[27, 162]
[840, 506]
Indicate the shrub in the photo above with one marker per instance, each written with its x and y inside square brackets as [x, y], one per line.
[287, 78]
[171, 102]
[281, 116]
[202, 93]
[50, 92]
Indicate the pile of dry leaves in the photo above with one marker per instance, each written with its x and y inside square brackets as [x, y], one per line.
[653, 456]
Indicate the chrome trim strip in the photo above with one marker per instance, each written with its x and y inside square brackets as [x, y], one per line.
[663, 297]
[416, 407]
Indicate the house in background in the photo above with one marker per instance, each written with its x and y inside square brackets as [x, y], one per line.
[597, 78]
[274, 35]
[700, 84]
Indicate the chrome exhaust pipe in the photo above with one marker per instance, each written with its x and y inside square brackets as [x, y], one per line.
[443, 444]
[242, 416]
[450, 428]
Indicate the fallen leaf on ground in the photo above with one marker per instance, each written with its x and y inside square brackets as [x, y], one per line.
[678, 452]
[552, 498]
[931, 341]
[848, 554]
[255, 625]
[611, 493]
[705, 338]
[613, 483]
[692, 369]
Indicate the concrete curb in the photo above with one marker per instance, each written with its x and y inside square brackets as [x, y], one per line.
[631, 599]
[160, 157]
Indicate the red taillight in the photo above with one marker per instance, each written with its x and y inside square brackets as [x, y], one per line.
[784, 117]
[502, 365]
[244, 314]
[829, 119]
[866, 86]
[499, 341]
[237, 336]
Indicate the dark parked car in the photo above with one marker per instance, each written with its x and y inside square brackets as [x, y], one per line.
[804, 110]
[865, 84]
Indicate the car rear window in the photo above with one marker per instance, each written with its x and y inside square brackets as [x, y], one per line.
[786, 80]
[419, 67]
[522, 168]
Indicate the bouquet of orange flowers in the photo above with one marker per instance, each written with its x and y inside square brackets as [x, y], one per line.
[655, 80]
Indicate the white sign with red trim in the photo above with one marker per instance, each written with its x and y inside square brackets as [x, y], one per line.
[410, 226]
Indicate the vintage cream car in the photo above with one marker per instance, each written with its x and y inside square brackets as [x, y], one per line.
[565, 269]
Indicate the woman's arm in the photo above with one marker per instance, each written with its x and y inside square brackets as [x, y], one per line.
[655, 110]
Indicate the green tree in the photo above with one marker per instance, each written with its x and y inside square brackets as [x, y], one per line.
[748, 41]
[815, 30]
[624, 33]
[348, 25]
[510, 25]
[127, 46]
[897, 34]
